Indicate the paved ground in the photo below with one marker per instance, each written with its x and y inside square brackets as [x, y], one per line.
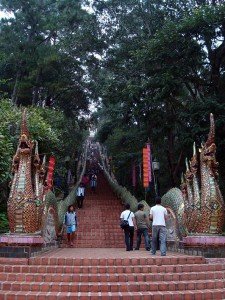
[104, 253]
[215, 261]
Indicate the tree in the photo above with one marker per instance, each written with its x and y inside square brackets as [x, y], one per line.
[49, 53]
[162, 73]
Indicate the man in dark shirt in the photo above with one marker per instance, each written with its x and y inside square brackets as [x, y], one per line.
[142, 224]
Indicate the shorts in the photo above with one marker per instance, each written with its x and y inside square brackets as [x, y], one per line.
[70, 229]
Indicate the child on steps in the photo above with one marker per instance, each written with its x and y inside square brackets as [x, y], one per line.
[70, 222]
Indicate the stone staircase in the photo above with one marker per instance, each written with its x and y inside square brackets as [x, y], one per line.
[98, 267]
[141, 276]
[99, 219]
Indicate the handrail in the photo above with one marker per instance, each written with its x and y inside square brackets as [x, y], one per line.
[171, 200]
[119, 190]
[71, 198]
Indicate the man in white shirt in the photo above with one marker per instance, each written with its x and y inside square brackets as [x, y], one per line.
[128, 215]
[158, 214]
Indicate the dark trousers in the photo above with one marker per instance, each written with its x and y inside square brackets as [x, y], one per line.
[144, 232]
[80, 200]
[129, 237]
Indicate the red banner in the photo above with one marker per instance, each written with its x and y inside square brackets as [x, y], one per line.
[145, 168]
[149, 162]
[147, 176]
[51, 167]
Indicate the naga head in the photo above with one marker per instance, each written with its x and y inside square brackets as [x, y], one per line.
[24, 130]
[25, 145]
[208, 150]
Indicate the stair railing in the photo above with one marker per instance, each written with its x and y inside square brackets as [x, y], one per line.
[62, 206]
[120, 191]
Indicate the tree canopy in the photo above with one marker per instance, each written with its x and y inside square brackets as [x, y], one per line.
[152, 69]
[161, 75]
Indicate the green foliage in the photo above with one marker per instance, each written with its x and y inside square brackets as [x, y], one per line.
[56, 134]
[156, 69]
[9, 119]
[161, 75]
[50, 46]
[4, 226]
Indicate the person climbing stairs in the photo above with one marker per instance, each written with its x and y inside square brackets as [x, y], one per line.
[99, 219]
[97, 268]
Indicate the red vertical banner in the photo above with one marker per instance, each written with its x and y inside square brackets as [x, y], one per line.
[51, 167]
[149, 162]
[147, 174]
[145, 168]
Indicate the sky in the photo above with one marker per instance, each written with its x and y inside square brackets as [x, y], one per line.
[4, 14]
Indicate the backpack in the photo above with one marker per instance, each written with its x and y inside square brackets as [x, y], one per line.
[124, 223]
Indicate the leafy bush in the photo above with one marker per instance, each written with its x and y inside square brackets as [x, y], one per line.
[4, 225]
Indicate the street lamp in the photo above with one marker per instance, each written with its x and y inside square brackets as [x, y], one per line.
[155, 168]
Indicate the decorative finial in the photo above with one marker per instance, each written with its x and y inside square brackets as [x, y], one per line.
[24, 129]
[44, 160]
[211, 136]
[194, 149]
[187, 164]
[182, 178]
[36, 147]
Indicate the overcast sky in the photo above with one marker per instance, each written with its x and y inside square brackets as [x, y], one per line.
[4, 14]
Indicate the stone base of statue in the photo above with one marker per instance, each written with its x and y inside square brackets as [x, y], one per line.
[206, 245]
[204, 240]
[24, 245]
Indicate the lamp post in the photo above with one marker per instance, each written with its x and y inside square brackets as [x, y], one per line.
[155, 168]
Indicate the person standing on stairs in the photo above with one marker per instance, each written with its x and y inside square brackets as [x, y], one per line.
[93, 182]
[128, 215]
[142, 223]
[80, 195]
[70, 222]
[158, 215]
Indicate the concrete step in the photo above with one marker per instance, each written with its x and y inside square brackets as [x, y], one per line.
[111, 269]
[154, 261]
[112, 277]
[164, 295]
[130, 286]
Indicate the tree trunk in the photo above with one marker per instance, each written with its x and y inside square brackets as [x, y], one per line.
[36, 89]
[48, 101]
[15, 89]
[178, 165]
[170, 156]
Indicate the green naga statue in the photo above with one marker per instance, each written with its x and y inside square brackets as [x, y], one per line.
[201, 207]
[25, 203]
[32, 208]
